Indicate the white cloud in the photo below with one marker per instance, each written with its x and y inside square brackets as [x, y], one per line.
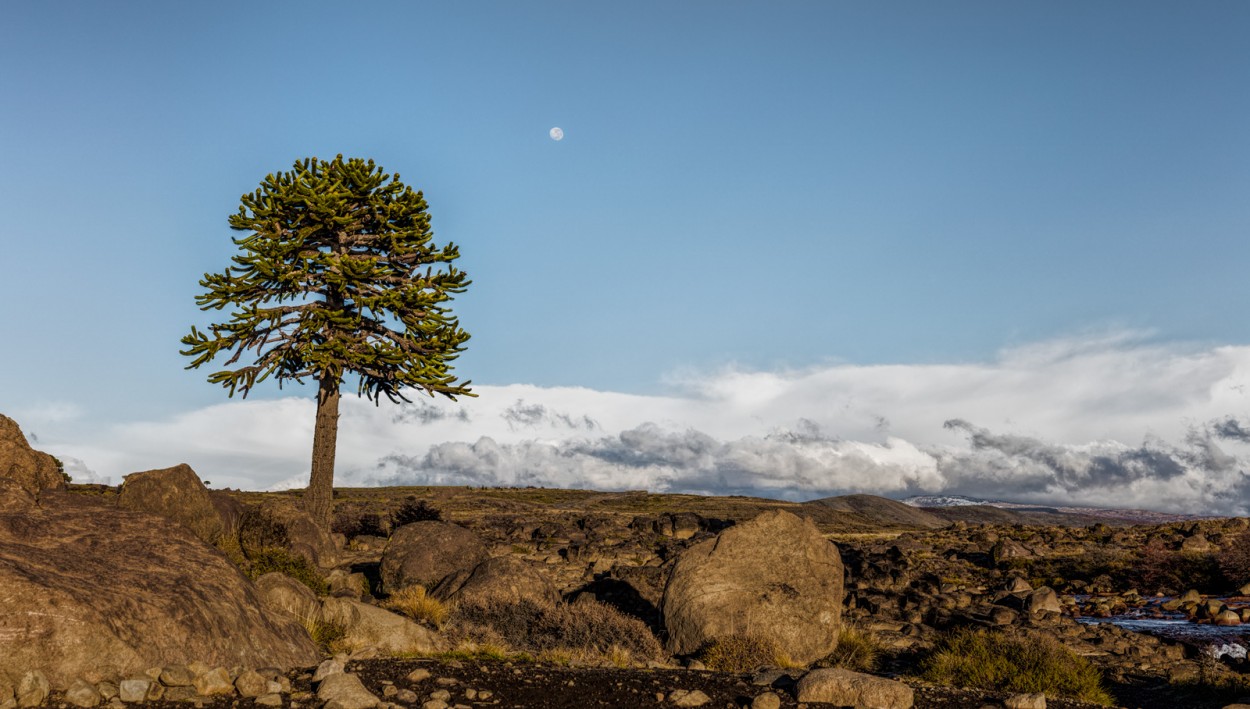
[1111, 420]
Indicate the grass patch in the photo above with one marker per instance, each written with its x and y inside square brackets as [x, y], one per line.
[414, 602]
[995, 661]
[327, 636]
[582, 629]
[263, 561]
[742, 653]
[856, 651]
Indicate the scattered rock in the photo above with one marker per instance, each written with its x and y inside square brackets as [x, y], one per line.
[774, 576]
[327, 668]
[251, 683]
[32, 688]
[213, 682]
[134, 689]
[343, 690]
[427, 552]
[688, 698]
[845, 688]
[82, 694]
[1026, 701]
[767, 700]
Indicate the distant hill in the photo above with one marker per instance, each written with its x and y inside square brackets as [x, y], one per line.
[972, 510]
[881, 511]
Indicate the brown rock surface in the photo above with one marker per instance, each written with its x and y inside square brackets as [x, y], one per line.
[428, 552]
[846, 688]
[32, 469]
[175, 493]
[502, 577]
[774, 576]
[91, 588]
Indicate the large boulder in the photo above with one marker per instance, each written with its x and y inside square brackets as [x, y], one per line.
[365, 626]
[774, 577]
[33, 470]
[505, 578]
[175, 493]
[90, 589]
[427, 552]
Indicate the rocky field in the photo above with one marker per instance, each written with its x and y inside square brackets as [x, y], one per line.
[161, 591]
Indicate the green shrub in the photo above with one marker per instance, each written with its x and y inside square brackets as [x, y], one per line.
[995, 661]
[414, 510]
[263, 561]
[260, 531]
[742, 653]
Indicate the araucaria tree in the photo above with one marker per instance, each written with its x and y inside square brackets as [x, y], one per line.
[337, 275]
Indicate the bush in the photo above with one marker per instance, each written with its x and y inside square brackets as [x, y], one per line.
[856, 651]
[259, 532]
[414, 510]
[327, 636]
[415, 603]
[535, 627]
[995, 661]
[263, 561]
[742, 653]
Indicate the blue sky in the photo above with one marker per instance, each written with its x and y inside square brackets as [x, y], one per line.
[743, 187]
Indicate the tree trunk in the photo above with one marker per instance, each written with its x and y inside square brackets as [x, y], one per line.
[319, 497]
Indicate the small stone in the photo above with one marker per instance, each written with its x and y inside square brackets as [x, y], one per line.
[81, 694]
[253, 684]
[1026, 701]
[177, 676]
[107, 690]
[32, 689]
[345, 691]
[434, 704]
[407, 696]
[471, 694]
[484, 694]
[214, 682]
[767, 700]
[442, 694]
[180, 694]
[688, 698]
[134, 689]
[270, 700]
[418, 675]
[327, 668]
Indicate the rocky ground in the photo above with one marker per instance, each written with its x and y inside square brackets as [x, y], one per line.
[161, 572]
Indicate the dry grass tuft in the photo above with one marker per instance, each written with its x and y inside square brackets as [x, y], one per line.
[742, 653]
[414, 602]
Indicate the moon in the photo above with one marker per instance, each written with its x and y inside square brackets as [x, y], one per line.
[557, 133]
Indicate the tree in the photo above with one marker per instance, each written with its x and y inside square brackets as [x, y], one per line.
[337, 276]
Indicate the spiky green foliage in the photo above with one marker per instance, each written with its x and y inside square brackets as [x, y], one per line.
[337, 275]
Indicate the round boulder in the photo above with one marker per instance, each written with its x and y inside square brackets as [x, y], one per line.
[774, 577]
[427, 552]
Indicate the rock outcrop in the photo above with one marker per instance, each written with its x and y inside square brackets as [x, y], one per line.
[427, 552]
[31, 469]
[175, 493]
[774, 576]
[91, 589]
[365, 626]
[846, 688]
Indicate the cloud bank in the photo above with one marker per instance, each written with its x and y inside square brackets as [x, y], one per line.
[1112, 420]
